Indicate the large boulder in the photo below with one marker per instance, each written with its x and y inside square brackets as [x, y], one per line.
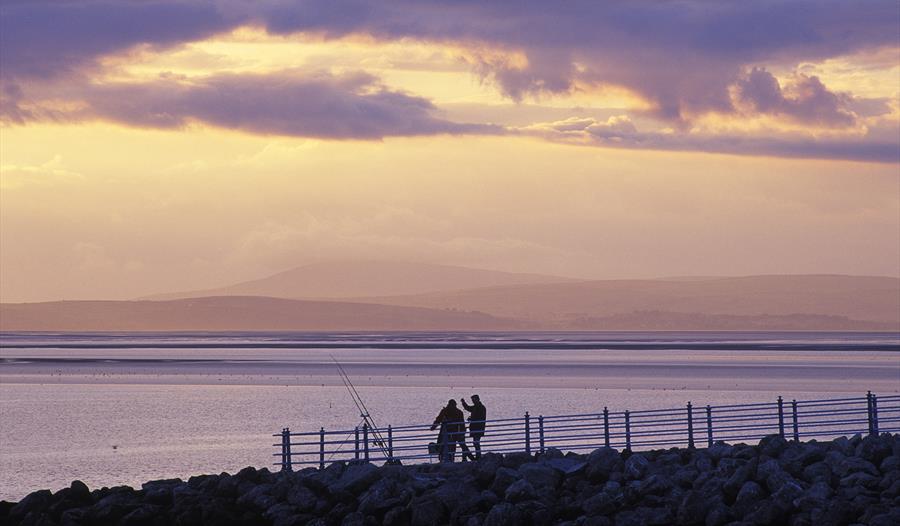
[503, 478]
[543, 477]
[636, 467]
[520, 490]
[355, 478]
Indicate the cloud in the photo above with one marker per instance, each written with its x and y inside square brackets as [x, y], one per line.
[620, 132]
[290, 103]
[682, 56]
[45, 39]
[806, 99]
[685, 59]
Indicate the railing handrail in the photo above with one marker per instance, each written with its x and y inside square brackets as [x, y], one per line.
[691, 425]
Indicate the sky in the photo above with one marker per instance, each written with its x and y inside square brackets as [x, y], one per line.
[152, 146]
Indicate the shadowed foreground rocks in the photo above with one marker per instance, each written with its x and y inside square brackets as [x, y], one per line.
[843, 482]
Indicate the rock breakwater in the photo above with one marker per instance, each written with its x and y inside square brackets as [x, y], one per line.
[842, 482]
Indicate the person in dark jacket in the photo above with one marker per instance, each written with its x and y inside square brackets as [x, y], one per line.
[477, 417]
[453, 430]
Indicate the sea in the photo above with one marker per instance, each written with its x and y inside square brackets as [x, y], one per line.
[123, 408]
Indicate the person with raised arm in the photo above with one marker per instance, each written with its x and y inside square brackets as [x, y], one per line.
[477, 417]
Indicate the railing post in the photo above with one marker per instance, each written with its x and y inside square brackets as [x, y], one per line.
[690, 415]
[286, 449]
[541, 430]
[606, 426]
[356, 442]
[627, 430]
[527, 433]
[781, 416]
[321, 448]
[869, 414]
[796, 424]
[874, 415]
[390, 444]
[709, 429]
[366, 441]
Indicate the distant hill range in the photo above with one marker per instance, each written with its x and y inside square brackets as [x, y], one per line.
[236, 313]
[406, 296]
[349, 279]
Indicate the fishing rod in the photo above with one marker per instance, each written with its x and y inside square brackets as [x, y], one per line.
[361, 406]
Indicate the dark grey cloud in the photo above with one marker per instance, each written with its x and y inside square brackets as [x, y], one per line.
[352, 106]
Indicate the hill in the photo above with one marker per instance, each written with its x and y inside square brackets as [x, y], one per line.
[238, 313]
[345, 279]
[753, 299]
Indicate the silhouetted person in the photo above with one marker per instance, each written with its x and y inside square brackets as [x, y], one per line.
[477, 417]
[453, 430]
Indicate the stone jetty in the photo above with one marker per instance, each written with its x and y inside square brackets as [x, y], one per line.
[842, 482]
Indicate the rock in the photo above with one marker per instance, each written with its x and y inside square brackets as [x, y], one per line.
[817, 472]
[601, 462]
[258, 498]
[520, 490]
[382, 496]
[890, 518]
[502, 514]
[600, 504]
[842, 445]
[772, 445]
[767, 512]
[302, 498]
[748, 496]
[486, 467]
[655, 485]
[850, 465]
[819, 491]
[692, 510]
[514, 460]
[720, 450]
[874, 448]
[718, 515]
[835, 513]
[502, 480]
[354, 519]
[145, 514]
[568, 466]
[736, 481]
[860, 478]
[32, 502]
[891, 463]
[427, 511]
[543, 477]
[636, 467]
[645, 516]
[79, 491]
[552, 453]
[356, 478]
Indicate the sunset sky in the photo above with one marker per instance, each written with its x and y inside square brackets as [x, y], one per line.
[154, 146]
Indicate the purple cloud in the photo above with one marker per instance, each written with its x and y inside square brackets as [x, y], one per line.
[620, 132]
[43, 39]
[686, 58]
[806, 100]
[352, 106]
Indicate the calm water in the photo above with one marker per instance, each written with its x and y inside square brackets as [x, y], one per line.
[125, 408]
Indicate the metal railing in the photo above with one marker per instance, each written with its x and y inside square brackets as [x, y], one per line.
[646, 429]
